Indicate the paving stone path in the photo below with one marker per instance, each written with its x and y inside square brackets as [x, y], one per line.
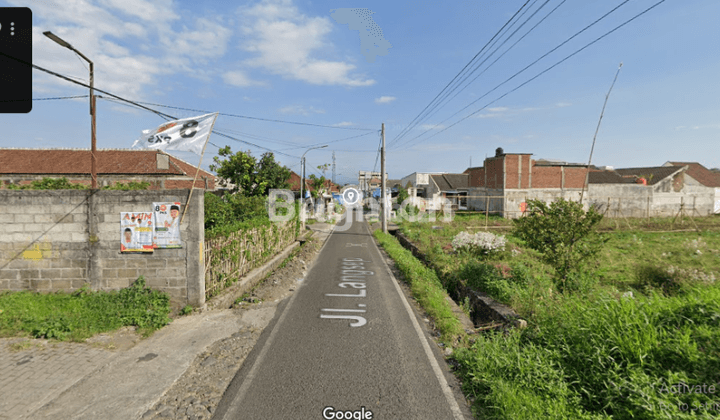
[34, 372]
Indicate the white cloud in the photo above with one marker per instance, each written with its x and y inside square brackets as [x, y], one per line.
[240, 79]
[300, 110]
[121, 38]
[431, 126]
[698, 127]
[286, 43]
[498, 109]
[384, 99]
[343, 124]
[493, 115]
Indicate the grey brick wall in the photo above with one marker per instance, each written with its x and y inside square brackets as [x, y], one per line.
[45, 243]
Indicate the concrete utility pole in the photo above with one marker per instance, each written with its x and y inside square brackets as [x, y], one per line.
[383, 194]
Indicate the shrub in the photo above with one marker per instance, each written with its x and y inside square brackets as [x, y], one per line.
[481, 243]
[563, 233]
[218, 212]
[130, 186]
[486, 278]
[49, 184]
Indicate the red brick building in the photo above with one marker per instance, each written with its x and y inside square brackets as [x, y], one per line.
[161, 170]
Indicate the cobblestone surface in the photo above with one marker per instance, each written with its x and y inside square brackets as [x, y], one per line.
[34, 372]
[196, 395]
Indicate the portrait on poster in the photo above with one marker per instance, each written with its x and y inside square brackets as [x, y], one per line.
[136, 232]
[167, 225]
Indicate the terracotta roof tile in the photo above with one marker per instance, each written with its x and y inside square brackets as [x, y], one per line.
[77, 161]
[700, 173]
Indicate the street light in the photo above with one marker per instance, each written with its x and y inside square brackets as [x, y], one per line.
[93, 159]
[302, 182]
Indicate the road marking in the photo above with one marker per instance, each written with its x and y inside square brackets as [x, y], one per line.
[454, 407]
[348, 245]
[234, 404]
[363, 293]
[343, 310]
[360, 320]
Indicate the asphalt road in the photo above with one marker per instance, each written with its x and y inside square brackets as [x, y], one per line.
[346, 339]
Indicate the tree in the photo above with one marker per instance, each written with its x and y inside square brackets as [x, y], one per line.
[562, 232]
[402, 195]
[250, 176]
[318, 184]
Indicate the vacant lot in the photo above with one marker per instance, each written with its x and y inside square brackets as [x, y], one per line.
[637, 337]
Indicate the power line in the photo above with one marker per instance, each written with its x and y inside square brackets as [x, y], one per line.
[258, 118]
[411, 125]
[518, 73]
[539, 74]
[47, 99]
[328, 142]
[477, 67]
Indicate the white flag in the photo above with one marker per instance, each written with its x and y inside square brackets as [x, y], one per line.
[189, 134]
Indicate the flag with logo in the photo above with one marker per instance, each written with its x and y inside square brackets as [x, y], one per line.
[188, 134]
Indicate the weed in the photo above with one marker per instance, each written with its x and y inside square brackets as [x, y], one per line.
[186, 310]
[84, 313]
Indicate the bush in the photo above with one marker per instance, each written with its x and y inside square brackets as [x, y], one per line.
[481, 243]
[563, 233]
[130, 186]
[49, 184]
[218, 212]
[486, 278]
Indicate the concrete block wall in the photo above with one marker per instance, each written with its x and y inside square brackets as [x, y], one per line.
[515, 199]
[45, 243]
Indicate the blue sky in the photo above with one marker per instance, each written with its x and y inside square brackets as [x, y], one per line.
[290, 60]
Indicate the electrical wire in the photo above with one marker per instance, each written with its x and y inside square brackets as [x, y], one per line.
[47, 99]
[539, 74]
[258, 118]
[517, 74]
[413, 123]
[477, 67]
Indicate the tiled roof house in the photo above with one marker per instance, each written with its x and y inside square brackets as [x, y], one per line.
[161, 170]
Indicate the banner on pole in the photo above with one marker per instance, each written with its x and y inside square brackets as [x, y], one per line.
[188, 134]
[136, 232]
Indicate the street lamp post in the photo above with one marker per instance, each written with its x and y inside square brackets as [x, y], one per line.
[93, 158]
[302, 182]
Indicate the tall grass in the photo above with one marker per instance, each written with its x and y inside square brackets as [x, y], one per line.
[645, 317]
[605, 356]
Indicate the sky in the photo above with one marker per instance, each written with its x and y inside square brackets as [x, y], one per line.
[300, 64]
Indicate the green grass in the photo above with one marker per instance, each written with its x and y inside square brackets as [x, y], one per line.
[82, 314]
[645, 316]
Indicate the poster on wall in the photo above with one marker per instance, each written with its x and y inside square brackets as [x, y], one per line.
[167, 225]
[136, 232]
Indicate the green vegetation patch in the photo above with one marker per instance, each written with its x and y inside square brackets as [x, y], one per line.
[82, 314]
[639, 318]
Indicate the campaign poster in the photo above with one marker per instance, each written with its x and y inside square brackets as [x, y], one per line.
[136, 232]
[167, 225]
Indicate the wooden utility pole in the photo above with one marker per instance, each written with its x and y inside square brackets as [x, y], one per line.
[383, 193]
